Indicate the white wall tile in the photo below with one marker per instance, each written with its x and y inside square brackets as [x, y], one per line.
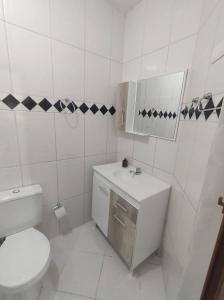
[208, 7]
[30, 62]
[185, 10]
[146, 168]
[31, 14]
[70, 178]
[87, 207]
[10, 178]
[125, 144]
[69, 135]
[68, 21]
[111, 136]
[36, 137]
[181, 54]
[97, 78]
[5, 83]
[117, 46]
[1, 10]
[9, 155]
[74, 207]
[144, 149]
[115, 79]
[98, 27]
[154, 64]
[49, 224]
[131, 70]
[165, 155]
[158, 24]
[95, 134]
[68, 71]
[91, 161]
[134, 25]
[44, 174]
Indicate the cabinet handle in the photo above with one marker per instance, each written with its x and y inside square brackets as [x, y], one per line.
[116, 218]
[122, 207]
[102, 189]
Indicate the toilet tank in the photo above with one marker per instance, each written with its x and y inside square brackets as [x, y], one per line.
[20, 209]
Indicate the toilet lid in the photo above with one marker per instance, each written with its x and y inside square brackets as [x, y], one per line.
[24, 257]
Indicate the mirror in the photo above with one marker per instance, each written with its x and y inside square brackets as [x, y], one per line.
[153, 105]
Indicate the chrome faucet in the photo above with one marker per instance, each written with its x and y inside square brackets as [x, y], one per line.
[137, 171]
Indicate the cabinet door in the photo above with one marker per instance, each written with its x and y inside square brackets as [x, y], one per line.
[101, 203]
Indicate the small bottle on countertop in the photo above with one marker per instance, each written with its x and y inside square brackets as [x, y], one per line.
[125, 163]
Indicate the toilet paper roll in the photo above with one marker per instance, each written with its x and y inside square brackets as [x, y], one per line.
[60, 212]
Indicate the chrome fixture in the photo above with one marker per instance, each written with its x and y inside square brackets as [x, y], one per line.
[137, 171]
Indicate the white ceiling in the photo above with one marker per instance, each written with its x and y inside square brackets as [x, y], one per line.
[124, 5]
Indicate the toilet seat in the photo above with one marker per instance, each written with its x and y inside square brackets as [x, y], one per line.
[24, 259]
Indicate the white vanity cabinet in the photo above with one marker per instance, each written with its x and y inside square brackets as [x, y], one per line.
[129, 210]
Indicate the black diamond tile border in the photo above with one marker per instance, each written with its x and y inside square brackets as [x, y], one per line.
[155, 114]
[11, 102]
[191, 111]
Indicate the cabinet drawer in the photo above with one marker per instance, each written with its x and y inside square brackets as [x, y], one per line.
[124, 208]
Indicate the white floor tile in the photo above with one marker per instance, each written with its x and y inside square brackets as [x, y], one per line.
[116, 282]
[81, 274]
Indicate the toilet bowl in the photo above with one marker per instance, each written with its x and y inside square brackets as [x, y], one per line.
[25, 254]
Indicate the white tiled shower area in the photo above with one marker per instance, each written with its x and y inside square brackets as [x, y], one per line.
[80, 50]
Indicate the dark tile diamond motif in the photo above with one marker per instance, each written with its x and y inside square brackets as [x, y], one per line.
[139, 113]
[45, 104]
[144, 113]
[218, 107]
[59, 105]
[170, 115]
[112, 110]
[155, 114]
[29, 103]
[197, 113]
[71, 107]
[209, 105]
[165, 114]
[94, 109]
[83, 108]
[103, 110]
[160, 114]
[174, 115]
[185, 112]
[149, 113]
[191, 112]
[10, 101]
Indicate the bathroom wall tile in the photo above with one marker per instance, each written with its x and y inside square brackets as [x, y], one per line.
[111, 158]
[87, 207]
[69, 135]
[91, 161]
[115, 79]
[5, 83]
[97, 83]
[30, 58]
[181, 55]
[98, 27]
[161, 161]
[144, 149]
[68, 71]
[95, 135]
[36, 137]
[74, 207]
[111, 136]
[44, 174]
[208, 8]
[134, 25]
[49, 224]
[184, 150]
[199, 158]
[154, 64]
[158, 25]
[9, 155]
[125, 144]
[131, 70]
[68, 21]
[70, 178]
[183, 11]
[117, 36]
[1, 10]
[10, 178]
[31, 14]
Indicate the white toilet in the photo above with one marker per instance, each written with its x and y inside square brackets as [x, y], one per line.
[25, 253]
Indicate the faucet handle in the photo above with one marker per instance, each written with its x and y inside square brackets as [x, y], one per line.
[138, 170]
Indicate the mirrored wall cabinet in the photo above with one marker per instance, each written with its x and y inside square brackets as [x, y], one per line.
[151, 107]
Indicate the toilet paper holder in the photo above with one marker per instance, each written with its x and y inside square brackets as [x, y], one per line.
[59, 211]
